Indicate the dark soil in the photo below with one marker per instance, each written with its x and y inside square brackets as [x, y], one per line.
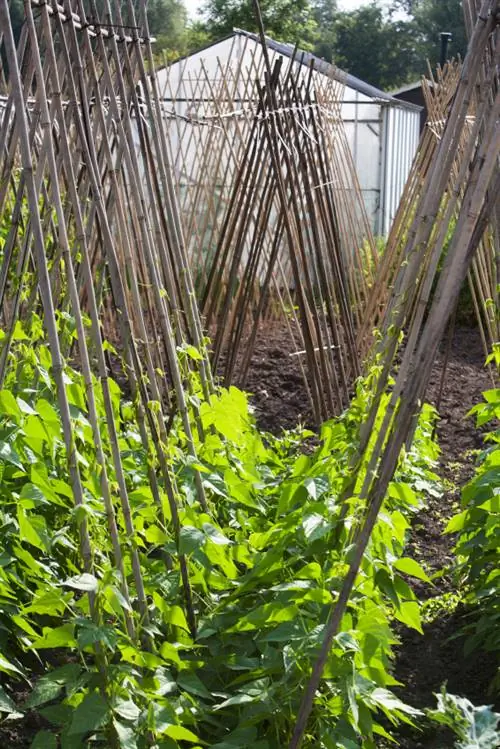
[19, 734]
[275, 381]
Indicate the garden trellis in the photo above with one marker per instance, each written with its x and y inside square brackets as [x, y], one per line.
[94, 244]
[470, 187]
[197, 552]
[272, 208]
[483, 278]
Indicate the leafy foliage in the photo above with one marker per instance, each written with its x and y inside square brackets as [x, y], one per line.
[399, 44]
[478, 528]
[263, 568]
[286, 20]
[474, 727]
[394, 55]
[430, 18]
[400, 36]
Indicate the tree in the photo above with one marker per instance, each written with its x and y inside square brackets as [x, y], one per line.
[197, 36]
[408, 6]
[325, 14]
[373, 46]
[16, 11]
[287, 20]
[433, 16]
[167, 21]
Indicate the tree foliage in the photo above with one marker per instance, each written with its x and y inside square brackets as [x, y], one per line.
[385, 44]
[371, 45]
[430, 18]
[167, 21]
[286, 20]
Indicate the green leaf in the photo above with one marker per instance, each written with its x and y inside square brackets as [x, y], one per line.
[215, 535]
[457, 522]
[311, 571]
[85, 582]
[192, 684]
[191, 539]
[91, 714]
[45, 690]
[27, 532]
[60, 637]
[403, 492]
[9, 455]
[126, 735]
[317, 486]
[155, 535]
[238, 699]
[34, 495]
[170, 653]
[65, 675]
[8, 667]
[315, 527]
[18, 333]
[90, 633]
[9, 405]
[179, 733]
[59, 714]
[264, 616]
[44, 740]
[25, 407]
[49, 416]
[411, 567]
[162, 716]
[40, 495]
[76, 396]
[389, 701]
[347, 642]
[228, 412]
[6, 704]
[475, 727]
[127, 709]
[175, 615]
[241, 737]
[408, 613]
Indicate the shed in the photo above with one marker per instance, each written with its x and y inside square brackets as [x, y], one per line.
[382, 132]
[413, 93]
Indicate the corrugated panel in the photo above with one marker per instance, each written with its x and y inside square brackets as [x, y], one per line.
[399, 145]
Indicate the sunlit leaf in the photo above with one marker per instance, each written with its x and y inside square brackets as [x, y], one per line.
[59, 637]
[6, 703]
[126, 735]
[85, 582]
[411, 567]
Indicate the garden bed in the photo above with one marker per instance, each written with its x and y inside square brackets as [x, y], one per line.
[423, 662]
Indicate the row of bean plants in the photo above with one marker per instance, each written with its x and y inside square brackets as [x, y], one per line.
[263, 569]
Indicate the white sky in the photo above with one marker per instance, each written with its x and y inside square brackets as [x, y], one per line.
[193, 6]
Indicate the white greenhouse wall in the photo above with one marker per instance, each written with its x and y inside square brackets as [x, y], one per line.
[382, 133]
[362, 123]
[401, 130]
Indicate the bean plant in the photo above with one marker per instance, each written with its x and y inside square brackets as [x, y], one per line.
[264, 565]
[478, 529]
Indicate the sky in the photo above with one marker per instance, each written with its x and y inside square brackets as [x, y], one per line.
[193, 6]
